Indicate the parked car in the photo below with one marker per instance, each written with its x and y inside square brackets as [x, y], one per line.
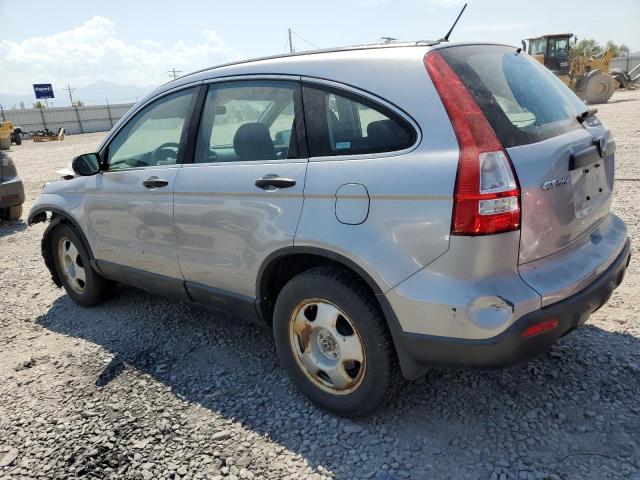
[383, 209]
[11, 189]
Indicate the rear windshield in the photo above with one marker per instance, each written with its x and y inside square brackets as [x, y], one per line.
[524, 102]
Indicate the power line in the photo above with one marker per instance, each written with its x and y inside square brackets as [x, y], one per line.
[291, 47]
[174, 73]
[305, 40]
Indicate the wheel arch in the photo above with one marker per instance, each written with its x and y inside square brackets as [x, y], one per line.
[39, 215]
[282, 265]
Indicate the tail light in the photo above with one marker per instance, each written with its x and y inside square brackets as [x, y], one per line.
[487, 196]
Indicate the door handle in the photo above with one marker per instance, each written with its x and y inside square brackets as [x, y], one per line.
[155, 182]
[275, 181]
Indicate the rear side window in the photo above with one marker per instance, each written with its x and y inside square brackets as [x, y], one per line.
[524, 102]
[341, 123]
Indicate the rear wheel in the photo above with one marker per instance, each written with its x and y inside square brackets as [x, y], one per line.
[17, 139]
[73, 266]
[598, 89]
[334, 343]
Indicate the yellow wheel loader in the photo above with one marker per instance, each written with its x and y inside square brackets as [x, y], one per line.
[587, 76]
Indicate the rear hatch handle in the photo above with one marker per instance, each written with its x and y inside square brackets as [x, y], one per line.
[591, 155]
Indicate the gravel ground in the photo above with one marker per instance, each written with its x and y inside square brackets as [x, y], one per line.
[142, 387]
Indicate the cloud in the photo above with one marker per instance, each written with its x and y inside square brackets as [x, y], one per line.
[93, 51]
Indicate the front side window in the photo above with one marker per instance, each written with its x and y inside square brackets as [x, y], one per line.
[152, 137]
[341, 123]
[248, 121]
[538, 46]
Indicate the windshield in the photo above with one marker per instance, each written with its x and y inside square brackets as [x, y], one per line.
[523, 101]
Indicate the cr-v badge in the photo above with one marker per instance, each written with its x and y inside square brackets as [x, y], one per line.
[557, 182]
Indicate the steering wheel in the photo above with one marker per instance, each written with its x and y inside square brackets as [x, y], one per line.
[163, 152]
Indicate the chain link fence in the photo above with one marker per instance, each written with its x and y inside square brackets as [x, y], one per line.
[626, 63]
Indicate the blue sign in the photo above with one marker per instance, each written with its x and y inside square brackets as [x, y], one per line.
[43, 90]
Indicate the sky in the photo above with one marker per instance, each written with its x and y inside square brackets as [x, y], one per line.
[135, 42]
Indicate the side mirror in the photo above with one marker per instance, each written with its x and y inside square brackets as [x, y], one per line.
[86, 165]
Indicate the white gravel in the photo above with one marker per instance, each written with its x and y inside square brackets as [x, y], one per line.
[142, 387]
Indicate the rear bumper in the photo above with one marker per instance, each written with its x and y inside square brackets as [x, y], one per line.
[509, 347]
[11, 192]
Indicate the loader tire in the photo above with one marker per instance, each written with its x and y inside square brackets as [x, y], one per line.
[599, 88]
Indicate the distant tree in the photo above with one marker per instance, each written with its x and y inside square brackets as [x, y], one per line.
[586, 46]
[617, 50]
[39, 104]
[591, 48]
[78, 103]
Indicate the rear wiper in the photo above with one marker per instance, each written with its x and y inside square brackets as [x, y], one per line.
[586, 114]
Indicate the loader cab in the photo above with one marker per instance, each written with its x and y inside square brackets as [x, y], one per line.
[552, 51]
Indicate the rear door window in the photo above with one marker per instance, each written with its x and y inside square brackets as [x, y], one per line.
[342, 123]
[524, 102]
[253, 120]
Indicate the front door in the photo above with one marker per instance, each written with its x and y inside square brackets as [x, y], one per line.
[241, 198]
[129, 206]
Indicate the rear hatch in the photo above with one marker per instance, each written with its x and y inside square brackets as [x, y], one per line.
[564, 167]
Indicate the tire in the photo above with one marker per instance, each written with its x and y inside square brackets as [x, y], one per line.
[598, 89]
[368, 384]
[14, 213]
[17, 139]
[70, 257]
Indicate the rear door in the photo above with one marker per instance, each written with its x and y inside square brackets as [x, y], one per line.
[565, 168]
[242, 196]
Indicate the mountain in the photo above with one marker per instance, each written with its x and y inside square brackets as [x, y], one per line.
[94, 94]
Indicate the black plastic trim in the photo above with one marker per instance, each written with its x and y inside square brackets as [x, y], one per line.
[235, 303]
[149, 282]
[584, 158]
[65, 217]
[509, 347]
[190, 132]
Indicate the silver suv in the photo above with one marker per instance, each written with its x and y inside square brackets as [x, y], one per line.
[383, 209]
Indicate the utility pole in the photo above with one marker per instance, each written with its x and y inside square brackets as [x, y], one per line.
[388, 39]
[69, 89]
[174, 73]
[109, 111]
[290, 43]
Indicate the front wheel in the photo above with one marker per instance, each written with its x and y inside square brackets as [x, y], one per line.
[72, 263]
[599, 88]
[334, 342]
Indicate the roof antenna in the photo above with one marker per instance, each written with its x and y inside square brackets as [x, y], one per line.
[446, 37]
